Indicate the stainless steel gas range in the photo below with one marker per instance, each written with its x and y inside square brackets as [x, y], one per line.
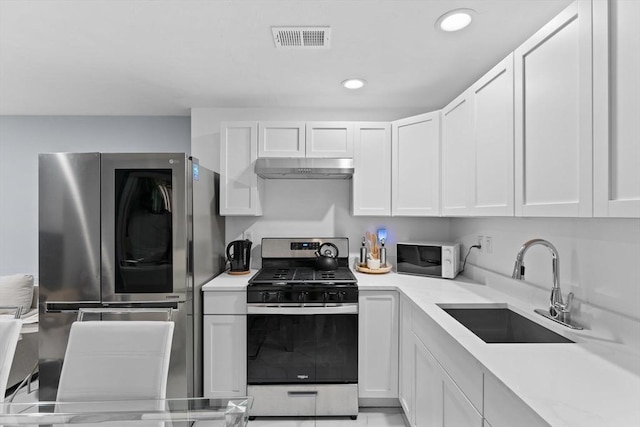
[302, 331]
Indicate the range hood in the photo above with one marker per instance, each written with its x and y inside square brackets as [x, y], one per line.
[304, 168]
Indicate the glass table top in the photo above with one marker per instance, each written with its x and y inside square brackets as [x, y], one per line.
[201, 412]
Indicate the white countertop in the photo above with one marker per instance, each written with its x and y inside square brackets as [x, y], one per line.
[566, 384]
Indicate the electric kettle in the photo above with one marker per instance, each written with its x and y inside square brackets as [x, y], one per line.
[239, 255]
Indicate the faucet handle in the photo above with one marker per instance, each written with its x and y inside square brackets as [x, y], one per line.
[566, 307]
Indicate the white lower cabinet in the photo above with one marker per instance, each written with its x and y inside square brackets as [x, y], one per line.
[502, 408]
[378, 344]
[457, 409]
[429, 397]
[225, 344]
[225, 355]
[438, 400]
[405, 354]
[427, 388]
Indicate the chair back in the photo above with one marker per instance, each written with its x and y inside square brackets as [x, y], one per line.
[116, 360]
[9, 335]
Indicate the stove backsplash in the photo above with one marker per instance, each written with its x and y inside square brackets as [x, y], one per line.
[310, 208]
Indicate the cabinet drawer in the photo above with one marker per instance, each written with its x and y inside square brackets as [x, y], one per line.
[502, 408]
[225, 302]
[461, 366]
[304, 400]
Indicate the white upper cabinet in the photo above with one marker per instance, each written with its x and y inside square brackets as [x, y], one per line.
[415, 168]
[240, 187]
[372, 164]
[553, 117]
[491, 188]
[281, 139]
[305, 139]
[616, 83]
[457, 146]
[329, 139]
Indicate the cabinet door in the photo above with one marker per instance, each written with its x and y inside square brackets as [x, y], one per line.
[428, 390]
[457, 146]
[406, 362]
[240, 187]
[372, 164]
[502, 408]
[553, 150]
[492, 154]
[225, 355]
[438, 400]
[616, 127]
[329, 139]
[415, 168]
[378, 344]
[281, 139]
[457, 409]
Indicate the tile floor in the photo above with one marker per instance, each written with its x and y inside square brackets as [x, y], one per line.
[369, 417]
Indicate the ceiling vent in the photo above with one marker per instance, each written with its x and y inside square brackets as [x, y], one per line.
[301, 37]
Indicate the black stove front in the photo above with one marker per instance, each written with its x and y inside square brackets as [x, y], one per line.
[302, 329]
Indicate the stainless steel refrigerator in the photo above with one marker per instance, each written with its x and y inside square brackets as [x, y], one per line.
[126, 230]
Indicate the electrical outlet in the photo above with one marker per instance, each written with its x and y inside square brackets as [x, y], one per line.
[248, 235]
[488, 244]
[480, 243]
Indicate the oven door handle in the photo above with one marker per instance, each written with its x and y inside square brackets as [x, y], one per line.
[302, 309]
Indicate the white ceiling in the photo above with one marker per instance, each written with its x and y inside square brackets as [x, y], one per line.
[163, 57]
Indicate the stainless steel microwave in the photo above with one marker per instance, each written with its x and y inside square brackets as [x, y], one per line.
[436, 259]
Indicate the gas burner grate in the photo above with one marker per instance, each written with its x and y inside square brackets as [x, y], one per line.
[281, 274]
[326, 275]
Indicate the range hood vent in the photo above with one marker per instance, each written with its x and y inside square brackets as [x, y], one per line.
[301, 37]
[304, 168]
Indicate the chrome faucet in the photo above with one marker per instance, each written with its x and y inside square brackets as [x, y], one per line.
[558, 310]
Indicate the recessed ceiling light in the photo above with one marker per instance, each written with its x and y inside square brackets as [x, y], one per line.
[353, 83]
[455, 20]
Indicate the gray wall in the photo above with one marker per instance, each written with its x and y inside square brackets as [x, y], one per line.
[22, 138]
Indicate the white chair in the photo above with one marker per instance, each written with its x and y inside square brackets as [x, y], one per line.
[9, 335]
[124, 364]
[116, 360]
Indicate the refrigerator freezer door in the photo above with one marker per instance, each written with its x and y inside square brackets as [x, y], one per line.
[69, 227]
[69, 250]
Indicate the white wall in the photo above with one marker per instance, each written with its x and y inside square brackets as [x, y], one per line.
[321, 208]
[22, 138]
[599, 258]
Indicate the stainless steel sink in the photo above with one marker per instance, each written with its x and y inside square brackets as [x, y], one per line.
[502, 325]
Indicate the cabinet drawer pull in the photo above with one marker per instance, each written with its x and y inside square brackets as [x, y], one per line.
[303, 393]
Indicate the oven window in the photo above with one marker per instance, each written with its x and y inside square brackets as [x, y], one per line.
[287, 349]
[144, 235]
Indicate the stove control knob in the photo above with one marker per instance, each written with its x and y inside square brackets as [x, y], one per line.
[265, 296]
[302, 296]
[341, 295]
